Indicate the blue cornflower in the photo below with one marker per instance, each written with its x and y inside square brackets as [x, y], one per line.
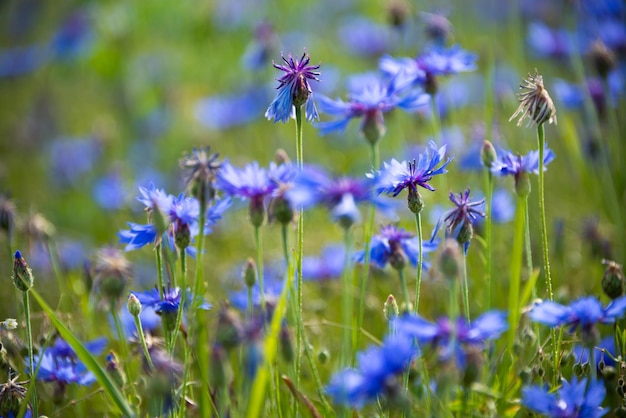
[60, 364]
[294, 89]
[460, 219]
[237, 109]
[110, 192]
[272, 288]
[585, 312]
[549, 43]
[329, 265]
[374, 98]
[509, 164]
[378, 367]
[72, 158]
[340, 195]
[578, 399]
[364, 37]
[452, 338]
[150, 320]
[397, 176]
[394, 245]
[423, 69]
[172, 298]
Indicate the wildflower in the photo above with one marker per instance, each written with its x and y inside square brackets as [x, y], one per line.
[340, 195]
[547, 42]
[12, 394]
[60, 364]
[261, 48]
[329, 265]
[585, 312]
[201, 169]
[9, 324]
[374, 98]
[109, 191]
[111, 273]
[272, 288]
[251, 182]
[376, 374]
[23, 278]
[535, 102]
[294, 89]
[460, 219]
[451, 338]
[167, 307]
[575, 399]
[394, 245]
[613, 279]
[397, 176]
[227, 111]
[520, 166]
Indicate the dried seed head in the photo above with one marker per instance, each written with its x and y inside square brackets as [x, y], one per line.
[535, 102]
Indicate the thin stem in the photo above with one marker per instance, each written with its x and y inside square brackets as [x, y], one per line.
[123, 346]
[367, 238]
[527, 246]
[159, 266]
[542, 209]
[259, 263]
[465, 285]
[348, 301]
[420, 260]
[300, 250]
[54, 263]
[29, 336]
[489, 237]
[142, 338]
[405, 289]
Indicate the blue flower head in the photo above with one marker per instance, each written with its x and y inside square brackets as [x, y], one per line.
[575, 399]
[460, 219]
[373, 98]
[329, 265]
[394, 245]
[294, 89]
[509, 164]
[172, 298]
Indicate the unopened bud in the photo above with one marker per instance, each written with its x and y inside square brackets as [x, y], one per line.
[415, 203]
[22, 274]
[134, 305]
[522, 184]
[250, 272]
[390, 308]
[450, 259]
[323, 356]
[281, 210]
[182, 236]
[256, 210]
[373, 126]
[488, 154]
[281, 156]
[613, 279]
[602, 59]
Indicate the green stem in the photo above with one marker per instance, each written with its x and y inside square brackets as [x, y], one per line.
[465, 285]
[144, 346]
[123, 347]
[542, 209]
[348, 301]
[517, 254]
[420, 260]
[54, 263]
[405, 289]
[29, 336]
[159, 265]
[300, 251]
[365, 271]
[527, 246]
[489, 237]
[259, 263]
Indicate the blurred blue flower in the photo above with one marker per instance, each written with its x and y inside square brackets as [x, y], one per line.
[340, 195]
[459, 220]
[502, 206]
[509, 164]
[397, 176]
[237, 109]
[374, 376]
[272, 287]
[578, 399]
[329, 265]
[109, 191]
[585, 312]
[73, 38]
[549, 43]
[72, 158]
[262, 47]
[137, 236]
[19, 61]
[150, 320]
[294, 89]
[393, 241]
[363, 37]
[251, 182]
[452, 338]
[60, 364]
[372, 99]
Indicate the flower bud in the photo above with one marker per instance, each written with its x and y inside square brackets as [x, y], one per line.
[256, 210]
[114, 370]
[522, 184]
[613, 279]
[414, 201]
[22, 274]
[450, 259]
[281, 210]
[281, 157]
[390, 308]
[397, 259]
[397, 13]
[134, 305]
[373, 126]
[488, 154]
[182, 236]
[12, 395]
[465, 233]
[323, 356]
[250, 273]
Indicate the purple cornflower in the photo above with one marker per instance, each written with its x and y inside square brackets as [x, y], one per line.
[460, 219]
[60, 364]
[294, 89]
[329, 265]
[376, 374]
[585, 312]
[373, 98]
[394, 245]
[340, 195]
[451, 338]
[578, 399]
